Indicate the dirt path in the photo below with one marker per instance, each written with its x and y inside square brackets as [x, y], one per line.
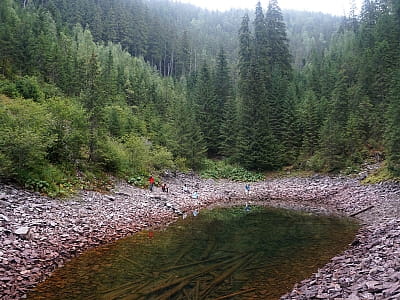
[38, 234]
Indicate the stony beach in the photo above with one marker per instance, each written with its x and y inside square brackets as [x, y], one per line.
[39, 234]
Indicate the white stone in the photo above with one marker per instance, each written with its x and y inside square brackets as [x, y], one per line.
[22, 231]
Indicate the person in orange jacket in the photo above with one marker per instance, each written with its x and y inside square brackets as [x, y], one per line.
[151, 183]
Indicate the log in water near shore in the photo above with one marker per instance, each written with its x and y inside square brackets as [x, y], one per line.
[38, 234]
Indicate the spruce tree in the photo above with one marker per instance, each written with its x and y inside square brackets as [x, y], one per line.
[185, 138]
[93, 100]
[245, 53]
[208, 112]
[392, 136]
[280, 70]
[223, 94]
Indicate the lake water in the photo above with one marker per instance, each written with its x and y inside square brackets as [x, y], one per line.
[220, 254]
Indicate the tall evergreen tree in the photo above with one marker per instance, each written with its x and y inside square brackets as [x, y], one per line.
[245, 54]
[185, 138]
[223, 94]
[256, 146]
[392, 136]
[280, 70]
[93, 100]
[8, 24]
[208, 110]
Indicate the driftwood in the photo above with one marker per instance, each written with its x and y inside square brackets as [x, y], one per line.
[361, 211]
[187, 279]
[224, 275]
[132, 262]
[208, 250]
[235, 294]
[197, 290]
[183, 253]
[175, 290]
[127, 292]
[193, 264]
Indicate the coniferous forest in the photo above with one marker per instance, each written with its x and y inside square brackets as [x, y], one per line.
[131, 87]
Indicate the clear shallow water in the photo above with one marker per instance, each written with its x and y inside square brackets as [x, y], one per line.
[258, 254]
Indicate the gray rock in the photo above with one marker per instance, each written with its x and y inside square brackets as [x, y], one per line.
[22, 231]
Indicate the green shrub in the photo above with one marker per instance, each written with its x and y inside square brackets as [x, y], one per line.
[139, 154]
[380, 175]
[162, 159]
[9, 89]
[138, 180]
[221, 169]
[70, 127]
[181, 164]
[28, 87]
[315, 163]
[25, 136]
[114, 156]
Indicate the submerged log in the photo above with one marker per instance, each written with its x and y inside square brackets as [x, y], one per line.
[190, 277]
[224, 275]
[235, 294]
[193, 264]
[175, 290]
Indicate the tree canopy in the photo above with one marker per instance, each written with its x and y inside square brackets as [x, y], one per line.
[130, 87]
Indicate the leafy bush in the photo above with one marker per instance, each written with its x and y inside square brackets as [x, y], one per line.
[139, 154]
[221, 169]
[114, 157]
[314, 163]
[380, 175]
[138, 180]
[25, 136]
[162, 159]
[37, 185]
[70, 127]
[9, 89]
[28, 87]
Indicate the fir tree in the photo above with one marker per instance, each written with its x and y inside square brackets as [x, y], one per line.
[223, 94]
[392, 136]
[209, 114]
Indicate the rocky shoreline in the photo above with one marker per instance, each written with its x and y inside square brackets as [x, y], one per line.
[38, 234]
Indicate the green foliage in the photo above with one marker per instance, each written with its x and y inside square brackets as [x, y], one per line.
[380, 175]
[132, 156]
[9, 88]
[29, 88]
[161, 159]
[25, 136]
[90, 106]
[138, 180]
[223, 170]
[392, 135]
[70, 128]
[114, 157]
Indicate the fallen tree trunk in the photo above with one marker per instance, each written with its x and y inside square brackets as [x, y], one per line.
[361, 211]
[235, 294]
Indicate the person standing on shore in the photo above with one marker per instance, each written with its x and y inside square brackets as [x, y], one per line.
[151, 183]
[185, 188]
[164, 187]
[247, 189]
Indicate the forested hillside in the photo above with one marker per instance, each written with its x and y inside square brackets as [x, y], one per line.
[129, 87]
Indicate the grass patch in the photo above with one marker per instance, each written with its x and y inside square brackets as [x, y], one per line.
[380, 175]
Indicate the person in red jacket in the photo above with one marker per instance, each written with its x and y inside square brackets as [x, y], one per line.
[151, 183]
